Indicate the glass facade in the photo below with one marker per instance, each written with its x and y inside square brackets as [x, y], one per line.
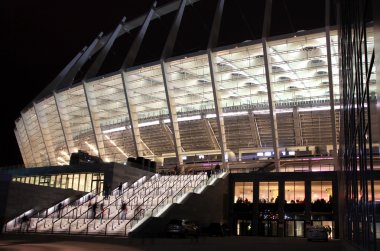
[86, 182]
[127, 114]
[284, 207]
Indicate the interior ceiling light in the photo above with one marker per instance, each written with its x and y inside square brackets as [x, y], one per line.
[316, 62]
[276, 68]
[203, 81]
[283, 78]
[321, 73]
[309, 48]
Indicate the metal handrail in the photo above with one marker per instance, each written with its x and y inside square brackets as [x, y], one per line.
[141, 211]
[60, 225]
[180, 191]
[133, 197]
[111, 220]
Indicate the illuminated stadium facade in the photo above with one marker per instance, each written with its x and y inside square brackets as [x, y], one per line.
[289, 102]
[274, 97]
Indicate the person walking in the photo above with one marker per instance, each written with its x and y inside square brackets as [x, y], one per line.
[124, 211]
[93, 209]
[107, 190]
[120, 188]
[217, 169]
[59, 210]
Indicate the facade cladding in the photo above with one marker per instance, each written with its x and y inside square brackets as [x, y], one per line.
[278, 96]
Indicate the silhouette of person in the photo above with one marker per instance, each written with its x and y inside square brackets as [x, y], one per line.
[120, 188]
[217, 168]
[59, 210]
[93, 208]
[124, 211]
[176, 171]
[107, 189]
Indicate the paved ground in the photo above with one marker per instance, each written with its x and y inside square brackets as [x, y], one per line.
[234, 243]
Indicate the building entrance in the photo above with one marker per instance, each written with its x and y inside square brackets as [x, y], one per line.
[268, 227]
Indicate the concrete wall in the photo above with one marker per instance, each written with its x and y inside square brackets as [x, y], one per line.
[209, 206]
[122, 173]
[22, 197]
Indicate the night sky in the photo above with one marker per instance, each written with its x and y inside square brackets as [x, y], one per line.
[38, 40]
[40, 37]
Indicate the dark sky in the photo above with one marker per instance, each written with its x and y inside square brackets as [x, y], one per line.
[40, 37]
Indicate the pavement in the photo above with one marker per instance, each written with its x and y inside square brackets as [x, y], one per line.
[32, 242]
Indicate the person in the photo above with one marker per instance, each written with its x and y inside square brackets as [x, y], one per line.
[93, 209]
[25, 221]
[102, 210]
[124, 211]
[107, 192]
[176, 170]
[208, 173]
[329, 230]
[59, 210]
[120, 188]
[217, 168]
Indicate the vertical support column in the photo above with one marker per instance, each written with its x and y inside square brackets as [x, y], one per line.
[256, 213]
[65, 127]
[128, 62]
[132, 117]
[273, 117]
[331, 86]
[268, 70]
[297, 127]
[92, 111]
[36, 159]
[166, 52]
[46, 137]
[281, 206]
[218, 107]
[212, 43]
[307, 201]
[376, 15]
[173, 114]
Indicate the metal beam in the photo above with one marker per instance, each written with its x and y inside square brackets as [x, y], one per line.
[94, 68]
[58, 79]
[170, 40]
[218, 106]
[46, 137]
[67, 81]
[331, 86]
[35, 159]
[173, 114]
[214, 34]
[95, 123]
[133, 51]
[268, 70]
[133, 118]
[65, 128]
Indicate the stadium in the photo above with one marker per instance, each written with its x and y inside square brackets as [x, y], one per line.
[272, 109]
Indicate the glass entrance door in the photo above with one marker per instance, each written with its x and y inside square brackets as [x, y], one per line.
[268, 228]
[294, 228]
